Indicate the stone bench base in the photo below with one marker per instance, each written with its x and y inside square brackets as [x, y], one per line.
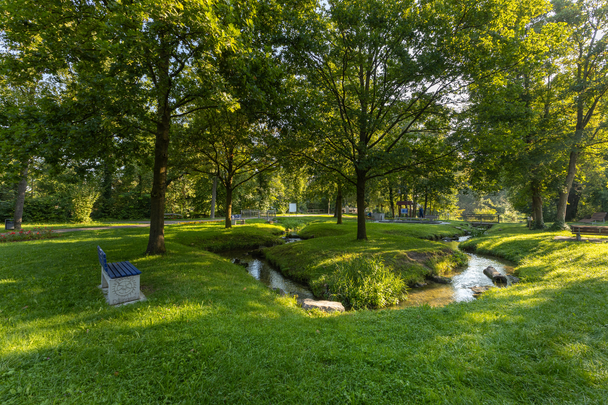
[120, 290]
[104, 290]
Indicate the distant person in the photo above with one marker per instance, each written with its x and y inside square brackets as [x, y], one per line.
[420, 212]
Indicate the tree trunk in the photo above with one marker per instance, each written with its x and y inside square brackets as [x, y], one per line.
[339, 205]
[560, 221]
[213, 197]
[390, 196]
[573, 199]
[361, 230]
[156, 241]
[426, 200]
[229, 190]
[537, 208]
[21, 188]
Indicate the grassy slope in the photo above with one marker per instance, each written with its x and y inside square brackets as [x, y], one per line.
[402, 246]
[209, 333]
[215, 238]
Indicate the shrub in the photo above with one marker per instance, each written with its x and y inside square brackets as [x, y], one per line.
[83, 199]
[361, 282]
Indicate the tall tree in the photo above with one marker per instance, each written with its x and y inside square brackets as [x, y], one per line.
[518, 129]
[151, 60]
[234, 147]
[21, 132]
[387, 75]
[585, 72]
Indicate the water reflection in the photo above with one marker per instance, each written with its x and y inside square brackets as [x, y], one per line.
[261, 270]
[459, 289]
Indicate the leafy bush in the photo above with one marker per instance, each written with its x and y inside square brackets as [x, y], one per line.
[361, 282]
[83, 199]
[123, 206]
[46, 209]
[7, 209]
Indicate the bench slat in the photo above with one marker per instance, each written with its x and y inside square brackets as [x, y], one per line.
[116, 270]
[589, 230]
[110, 271]
[119, 267]
[128, 269]
[134, 270]
[123, 269]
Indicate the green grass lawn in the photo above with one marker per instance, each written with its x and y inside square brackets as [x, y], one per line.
[209, 333]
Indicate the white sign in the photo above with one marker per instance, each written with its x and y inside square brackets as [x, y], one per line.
[293, 207]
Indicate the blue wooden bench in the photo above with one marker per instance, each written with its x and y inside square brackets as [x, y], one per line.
[121, 279]
[236, 219]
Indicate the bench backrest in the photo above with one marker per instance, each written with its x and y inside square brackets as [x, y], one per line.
[102, 259]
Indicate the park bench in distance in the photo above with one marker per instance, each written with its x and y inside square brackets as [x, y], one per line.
[597, 217]
[121, 279]
[172, 216]
[237, 219]
[579, 230]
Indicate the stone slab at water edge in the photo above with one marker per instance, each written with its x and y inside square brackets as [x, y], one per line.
[325, 306]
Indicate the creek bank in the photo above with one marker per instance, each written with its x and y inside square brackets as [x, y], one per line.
[261, 269]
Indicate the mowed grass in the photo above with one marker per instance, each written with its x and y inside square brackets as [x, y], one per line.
[214, 237]
[209, 333]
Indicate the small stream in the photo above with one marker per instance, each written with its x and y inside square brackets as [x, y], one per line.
[433, 294]
[436, 295]
[263, 271]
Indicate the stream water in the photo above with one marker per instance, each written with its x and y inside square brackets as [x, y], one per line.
[436, 295]
[432, 294]
[263, 271]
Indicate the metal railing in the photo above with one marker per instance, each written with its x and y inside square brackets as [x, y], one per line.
[484, 218]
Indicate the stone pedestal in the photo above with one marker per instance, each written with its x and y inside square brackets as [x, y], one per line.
[120, 290]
